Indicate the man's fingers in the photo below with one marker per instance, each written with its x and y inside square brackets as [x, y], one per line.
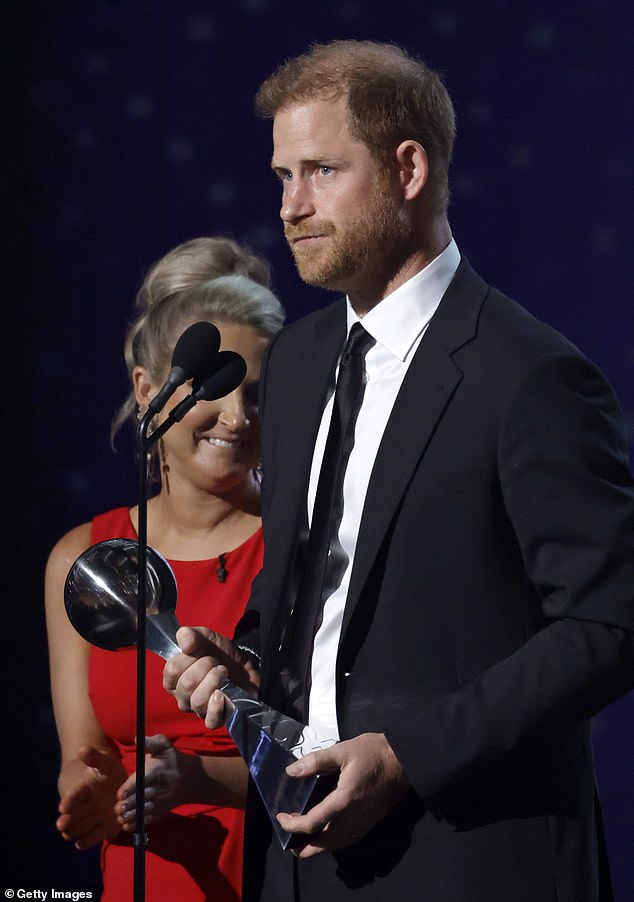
[215, 710]
[304, 824]
[194, 642]
[322, 761]
[174, 670]
[318, 762]
[316, 818]
[190, 679]
[314, 846]
[207, 686]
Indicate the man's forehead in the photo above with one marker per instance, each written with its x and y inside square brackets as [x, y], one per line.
[312, 127]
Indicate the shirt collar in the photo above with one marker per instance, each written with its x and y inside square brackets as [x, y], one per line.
[399, 319]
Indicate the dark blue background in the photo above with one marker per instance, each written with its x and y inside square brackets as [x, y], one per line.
[129, 128]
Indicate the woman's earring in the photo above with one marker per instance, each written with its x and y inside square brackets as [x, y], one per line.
[164, 465]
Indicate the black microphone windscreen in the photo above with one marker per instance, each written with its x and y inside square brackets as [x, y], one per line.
[196, 349]
[230, 370]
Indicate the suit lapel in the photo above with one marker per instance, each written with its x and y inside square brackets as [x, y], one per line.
[429, 384]
[315, 351]
[304, 401]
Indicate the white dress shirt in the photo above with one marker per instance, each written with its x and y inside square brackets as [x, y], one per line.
[398, 324]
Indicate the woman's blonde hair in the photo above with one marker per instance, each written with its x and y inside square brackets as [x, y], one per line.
[212, 279]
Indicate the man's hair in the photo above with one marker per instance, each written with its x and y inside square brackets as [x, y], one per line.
[390, 97]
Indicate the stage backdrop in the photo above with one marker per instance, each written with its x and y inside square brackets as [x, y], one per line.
[131, 129]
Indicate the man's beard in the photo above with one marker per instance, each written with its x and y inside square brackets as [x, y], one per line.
[362, 250]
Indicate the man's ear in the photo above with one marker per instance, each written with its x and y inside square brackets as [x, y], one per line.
[413, 168]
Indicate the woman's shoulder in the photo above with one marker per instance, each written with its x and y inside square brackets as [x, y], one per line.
[68, 548]
[106, 525]
[113, 524]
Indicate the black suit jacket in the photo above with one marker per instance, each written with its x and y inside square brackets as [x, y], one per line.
[490, 610]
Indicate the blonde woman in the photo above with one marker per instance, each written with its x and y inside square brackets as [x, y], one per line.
[205, 520]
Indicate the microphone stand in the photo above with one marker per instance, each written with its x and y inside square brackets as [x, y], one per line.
[218, 384]
[140, 836]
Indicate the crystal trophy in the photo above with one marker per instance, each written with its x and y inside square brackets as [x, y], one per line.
[100, 596]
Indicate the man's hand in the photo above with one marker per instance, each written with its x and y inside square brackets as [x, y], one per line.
[371, 781]
[86, 812]
[208, 660]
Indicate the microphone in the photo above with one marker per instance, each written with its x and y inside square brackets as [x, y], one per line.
[193, 356]
[229, 371]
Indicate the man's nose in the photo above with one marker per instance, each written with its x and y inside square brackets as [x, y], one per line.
[297, 202]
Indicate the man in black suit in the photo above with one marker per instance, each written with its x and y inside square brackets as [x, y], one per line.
[483, 609]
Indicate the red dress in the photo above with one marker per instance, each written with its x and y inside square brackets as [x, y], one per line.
[195, 851]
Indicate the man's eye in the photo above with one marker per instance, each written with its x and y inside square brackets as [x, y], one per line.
[325, 170]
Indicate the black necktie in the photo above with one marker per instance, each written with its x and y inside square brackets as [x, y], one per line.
[325, 559]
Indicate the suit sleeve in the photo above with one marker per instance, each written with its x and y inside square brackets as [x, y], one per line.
[568, 492]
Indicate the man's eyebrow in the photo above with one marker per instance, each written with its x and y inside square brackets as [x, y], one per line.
[321, 160]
